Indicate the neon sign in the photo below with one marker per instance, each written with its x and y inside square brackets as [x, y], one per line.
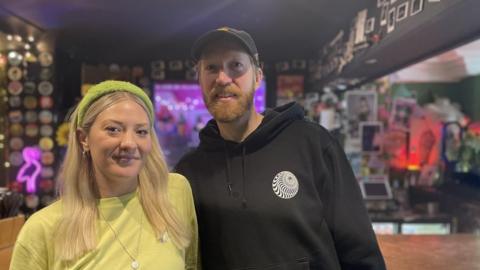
[31, 169]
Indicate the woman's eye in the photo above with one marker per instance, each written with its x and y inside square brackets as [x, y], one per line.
[112, 129]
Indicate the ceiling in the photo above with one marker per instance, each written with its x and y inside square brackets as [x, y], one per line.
[134, 31]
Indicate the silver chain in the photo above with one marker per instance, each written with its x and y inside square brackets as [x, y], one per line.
[135, 263]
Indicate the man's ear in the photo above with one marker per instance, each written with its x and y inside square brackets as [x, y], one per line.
[83, 139]
[258, 77]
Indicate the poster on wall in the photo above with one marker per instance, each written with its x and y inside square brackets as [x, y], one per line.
[361, 107]
[402, 111]
[371, 136]
[289, 88]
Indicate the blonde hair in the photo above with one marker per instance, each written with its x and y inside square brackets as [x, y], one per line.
[79, 193]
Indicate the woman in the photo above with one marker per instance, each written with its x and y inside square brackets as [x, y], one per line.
[119, 208]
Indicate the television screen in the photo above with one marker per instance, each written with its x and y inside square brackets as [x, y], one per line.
[181, 114]
[385, 227]
[378, 189]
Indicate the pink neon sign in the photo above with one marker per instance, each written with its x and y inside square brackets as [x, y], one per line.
[31, 169]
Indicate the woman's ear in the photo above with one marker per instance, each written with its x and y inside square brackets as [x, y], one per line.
[83, 139]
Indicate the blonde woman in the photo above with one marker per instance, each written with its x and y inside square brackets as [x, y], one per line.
[119, 208]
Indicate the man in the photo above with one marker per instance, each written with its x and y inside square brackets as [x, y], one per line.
[272, 190]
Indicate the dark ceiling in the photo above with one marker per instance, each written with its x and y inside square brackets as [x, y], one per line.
[139, 30]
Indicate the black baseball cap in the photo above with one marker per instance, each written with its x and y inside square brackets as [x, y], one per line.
[242, 37]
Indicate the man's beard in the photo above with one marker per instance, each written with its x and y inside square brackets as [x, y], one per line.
[226, 113]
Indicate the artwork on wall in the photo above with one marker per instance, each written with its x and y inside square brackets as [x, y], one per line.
[361, 107]
[416, 6]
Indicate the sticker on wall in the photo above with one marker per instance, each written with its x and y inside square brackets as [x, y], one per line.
[14, 58]
[46, 143]
[14, 73]
[15, 88]
[46, 102]
[16, 130]
[45, 117]
[46, 74]
[46, 130]
[29, 88]
[47, 158]
[47, 172]
[16, 143]
[14, 101]
[45, 59]
[15, 116]
[30, 102]
[31, 130]
[15, 158]
[45, 88]
[31, 116]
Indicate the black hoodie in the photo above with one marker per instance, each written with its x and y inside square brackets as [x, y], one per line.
[284, 198]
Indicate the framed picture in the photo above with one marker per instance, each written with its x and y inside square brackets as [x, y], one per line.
[416, 6]
[175, 65]
[370, 25]
[371, 136]
[402, 11]
[379, 3]
[361, 107]
[391, 20]
[392, 2]
[383, 15]
[402, 111]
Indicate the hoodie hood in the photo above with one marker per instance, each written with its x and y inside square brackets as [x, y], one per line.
[274, 121]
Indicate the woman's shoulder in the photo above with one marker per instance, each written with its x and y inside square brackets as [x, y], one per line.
[179, 189]
[42, 222]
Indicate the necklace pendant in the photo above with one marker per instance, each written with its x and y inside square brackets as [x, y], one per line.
[135, 265]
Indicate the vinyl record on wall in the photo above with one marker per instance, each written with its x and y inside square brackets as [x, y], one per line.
[14, 58]
[31, 130]
[14, 101]
[15, 158]
[16, 130]
[47, 158]
[16, 143]
[45, 117]
[47, 172]
[31, 116]
[15, 116]
[45, 88]
[46, 102]
[14, 73]
[46, 130]
[30, 102]
[45, 59]
[15, 88]
[46, 143]
[29, 87]
[46, 74]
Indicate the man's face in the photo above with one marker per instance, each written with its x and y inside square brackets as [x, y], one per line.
[228, 80]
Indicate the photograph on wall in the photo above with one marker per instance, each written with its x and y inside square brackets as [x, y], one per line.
[371, 136]
[416, 6]
[391, 18]
[289, 88]
[361, 107]
[402, 11]
[402, 111]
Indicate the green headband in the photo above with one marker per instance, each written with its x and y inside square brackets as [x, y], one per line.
[106, 87]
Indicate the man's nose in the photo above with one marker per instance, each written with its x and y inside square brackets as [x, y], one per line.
[223, 78]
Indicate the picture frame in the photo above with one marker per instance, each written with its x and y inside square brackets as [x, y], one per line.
[383, 15]
[416, 6]
[361, 107]
[402, 110]
[402, 11]
[371, 136]
[391, 18]
[370, 25]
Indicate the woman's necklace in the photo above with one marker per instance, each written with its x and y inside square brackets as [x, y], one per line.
[135, 265]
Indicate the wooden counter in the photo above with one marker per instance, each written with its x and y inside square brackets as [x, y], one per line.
[424, 252]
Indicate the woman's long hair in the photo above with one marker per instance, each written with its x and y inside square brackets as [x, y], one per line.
[78, 190]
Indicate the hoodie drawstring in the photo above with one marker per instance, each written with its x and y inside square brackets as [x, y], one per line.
[244, 200]
[228, 170]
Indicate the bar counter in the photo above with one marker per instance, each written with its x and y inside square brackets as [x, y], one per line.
[424, 252]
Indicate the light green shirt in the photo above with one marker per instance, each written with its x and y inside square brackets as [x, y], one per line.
[34, 248]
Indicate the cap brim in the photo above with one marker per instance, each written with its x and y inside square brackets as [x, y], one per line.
[211, 36]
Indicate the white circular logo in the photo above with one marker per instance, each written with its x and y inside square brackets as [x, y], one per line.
[285, 185]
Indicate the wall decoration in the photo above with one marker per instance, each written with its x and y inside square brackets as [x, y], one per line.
[416, 6]
[30, 170]
[384, 15]
[402, 110]
[391, 18]
[402, 11]
[289, 88]
[371, 136]
[370, 25]
[361, 106]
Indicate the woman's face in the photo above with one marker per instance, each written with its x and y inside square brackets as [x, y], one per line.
[119, 142]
